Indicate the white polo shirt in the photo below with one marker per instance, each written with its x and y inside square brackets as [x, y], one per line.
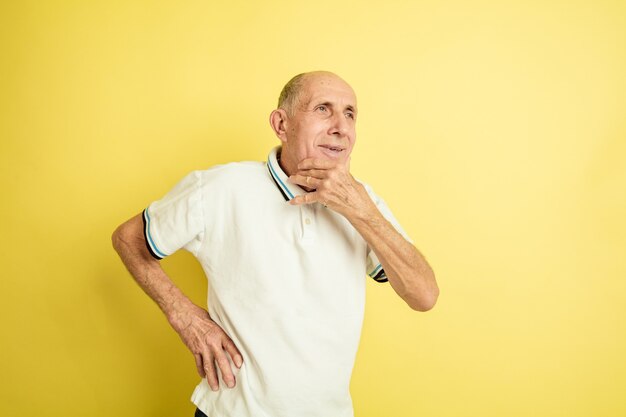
[286, 283]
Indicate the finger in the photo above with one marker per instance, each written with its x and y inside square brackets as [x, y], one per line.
[307, 198]
[315, 173]
[232, 350]
[305, 180]
[227, 372]
[199, 365]
[316, 164]
[210, 371]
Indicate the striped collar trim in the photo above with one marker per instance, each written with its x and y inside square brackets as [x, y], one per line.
[287, 189]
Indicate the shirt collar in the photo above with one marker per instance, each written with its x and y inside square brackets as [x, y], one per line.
[287, 189]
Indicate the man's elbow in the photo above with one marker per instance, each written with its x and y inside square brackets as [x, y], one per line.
[128, 241]
[116, 238]
[425, 300]
[121, 238]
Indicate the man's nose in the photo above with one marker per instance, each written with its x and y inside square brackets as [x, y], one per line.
[340, 125]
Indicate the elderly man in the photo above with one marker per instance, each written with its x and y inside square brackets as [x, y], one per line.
[286, 245]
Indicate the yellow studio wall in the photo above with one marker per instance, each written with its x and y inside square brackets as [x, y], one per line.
[495, 131]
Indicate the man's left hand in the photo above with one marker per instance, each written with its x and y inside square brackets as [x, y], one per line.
[334, 188]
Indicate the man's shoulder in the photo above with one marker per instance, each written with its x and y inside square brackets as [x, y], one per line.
[231, 174]
[231, 170]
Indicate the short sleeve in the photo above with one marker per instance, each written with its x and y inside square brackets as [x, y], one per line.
[373, 266]
[176, 220]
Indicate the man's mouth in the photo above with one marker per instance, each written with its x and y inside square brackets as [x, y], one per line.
[333, 150]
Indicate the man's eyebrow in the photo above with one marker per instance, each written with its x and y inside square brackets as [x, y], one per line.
[322, 102]
[329, 104]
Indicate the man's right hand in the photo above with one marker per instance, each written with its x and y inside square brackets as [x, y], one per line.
[208, 343]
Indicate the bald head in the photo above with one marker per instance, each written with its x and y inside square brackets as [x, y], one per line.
[294, 92]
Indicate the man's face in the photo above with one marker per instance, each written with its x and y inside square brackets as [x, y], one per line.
[323, 123]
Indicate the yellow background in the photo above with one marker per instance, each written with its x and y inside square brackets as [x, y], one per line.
[494, 130]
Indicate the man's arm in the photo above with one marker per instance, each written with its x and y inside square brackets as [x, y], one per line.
[408, 272]
[206, 340]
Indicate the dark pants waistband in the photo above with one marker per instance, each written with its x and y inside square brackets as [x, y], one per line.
[199, 414]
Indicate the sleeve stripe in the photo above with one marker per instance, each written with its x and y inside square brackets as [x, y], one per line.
[381, 276]
[378, 274]
[375, 271]
[154, 251]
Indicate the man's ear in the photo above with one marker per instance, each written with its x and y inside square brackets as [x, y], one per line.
[278, 121]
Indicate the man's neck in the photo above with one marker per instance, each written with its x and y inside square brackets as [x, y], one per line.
[289, 170]
[285, 163]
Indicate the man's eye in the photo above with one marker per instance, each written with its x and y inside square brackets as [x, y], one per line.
[350, 115]
[321, 108]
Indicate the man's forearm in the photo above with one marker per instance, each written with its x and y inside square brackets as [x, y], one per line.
[148, 273]
[408, 272]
